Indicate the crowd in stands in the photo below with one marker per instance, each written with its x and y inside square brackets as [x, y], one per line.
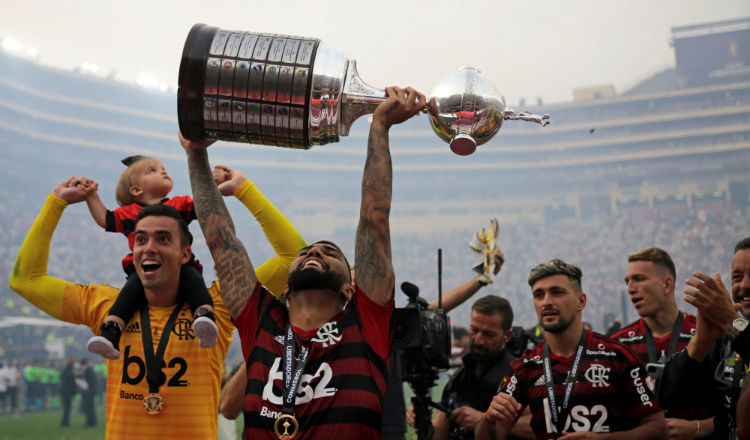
[698, 239]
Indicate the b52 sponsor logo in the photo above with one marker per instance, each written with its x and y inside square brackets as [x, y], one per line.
[580, 418]
[134, 370]
[312, 386]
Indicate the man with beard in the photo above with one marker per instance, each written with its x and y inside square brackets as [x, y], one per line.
[317, 362]
[661, 331]
[712, 366]
[468, 393]
[576, 382]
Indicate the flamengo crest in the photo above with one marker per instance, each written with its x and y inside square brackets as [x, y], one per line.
[598, 375]
[328, 334]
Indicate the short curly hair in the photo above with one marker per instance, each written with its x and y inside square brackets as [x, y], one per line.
[555, 267]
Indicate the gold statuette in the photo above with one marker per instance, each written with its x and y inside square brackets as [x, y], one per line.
[284, 424]
[153, 404]
[485, 243]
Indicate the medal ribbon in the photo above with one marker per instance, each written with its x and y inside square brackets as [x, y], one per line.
[676, 330]
[153, 360]
[559, 418]
[292, 373]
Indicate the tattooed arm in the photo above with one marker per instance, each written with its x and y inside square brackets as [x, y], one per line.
[372, 257]
[233, 266]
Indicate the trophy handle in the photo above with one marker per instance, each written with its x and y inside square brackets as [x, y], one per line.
[510, 114]
[358, 98]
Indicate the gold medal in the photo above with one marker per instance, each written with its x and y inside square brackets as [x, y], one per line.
[286, 422]
[153, 404]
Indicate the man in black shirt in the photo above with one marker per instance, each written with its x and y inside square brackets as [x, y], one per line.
[469, 392]
[712, 366]
[68, 389]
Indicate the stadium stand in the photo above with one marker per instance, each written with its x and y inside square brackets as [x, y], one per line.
[665, 163]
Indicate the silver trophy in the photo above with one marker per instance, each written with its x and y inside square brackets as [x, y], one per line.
[298, 92]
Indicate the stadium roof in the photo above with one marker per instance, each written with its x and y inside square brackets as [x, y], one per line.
[697, 30]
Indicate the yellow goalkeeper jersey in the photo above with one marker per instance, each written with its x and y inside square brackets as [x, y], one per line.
[191, 375]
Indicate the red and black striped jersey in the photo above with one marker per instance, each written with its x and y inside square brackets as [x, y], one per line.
[343, 381]
[610, 393]
[634, 336]
[122, 219]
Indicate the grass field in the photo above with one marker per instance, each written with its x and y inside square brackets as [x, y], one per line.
[45, 425]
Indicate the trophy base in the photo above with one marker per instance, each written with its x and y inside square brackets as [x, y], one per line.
[463, 145]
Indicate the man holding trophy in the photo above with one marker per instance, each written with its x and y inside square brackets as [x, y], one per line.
[317, 362]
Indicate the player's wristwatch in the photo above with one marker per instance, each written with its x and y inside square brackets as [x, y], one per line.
[738, 326]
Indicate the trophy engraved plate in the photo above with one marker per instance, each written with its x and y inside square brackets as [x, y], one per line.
[241, 76]
[225, 115]
[290, 52]
[296, 123]
[253, 120]
[210, 115]
[247, 46]
[233, 45]
[299, 86]
[226, 77]
[267, 121]
[277, 50]
[270, 82]
[282, 122]
[261, 47]
[212, 76]
[239, 117]
[298, 92]
[220, 40]
[255, 82]
[306, 52]
[284, 90]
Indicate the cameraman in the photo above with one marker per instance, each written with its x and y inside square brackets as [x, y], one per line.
[469, 392]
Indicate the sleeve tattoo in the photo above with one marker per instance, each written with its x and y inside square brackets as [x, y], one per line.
[233, 265]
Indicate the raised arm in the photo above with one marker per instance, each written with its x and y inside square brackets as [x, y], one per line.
[231, 261]
[96, 207]
[282, 235]
[373, 242]
[29, 277]
[459, 294]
